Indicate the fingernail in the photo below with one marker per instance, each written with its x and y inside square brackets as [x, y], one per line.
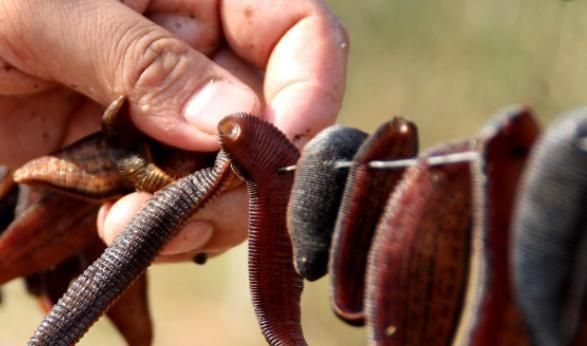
[216, 100]
[193, 236]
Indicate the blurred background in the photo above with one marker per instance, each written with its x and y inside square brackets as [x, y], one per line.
[448, 65]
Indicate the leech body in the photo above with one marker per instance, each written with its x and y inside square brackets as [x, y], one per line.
[129, 151]
[491, 315]
[365, 194]
[50, 229]
[129, 255]
[129, 314]
[550, 234]
[82, 169]
[315, 197]
[417, 265]
[258, 150]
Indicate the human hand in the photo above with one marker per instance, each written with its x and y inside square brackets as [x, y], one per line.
[183, 65]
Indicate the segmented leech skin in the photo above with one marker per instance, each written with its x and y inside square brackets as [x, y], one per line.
[258, 150]
[417, 265]
[51, 228]
[82, 169]
[315, 197]
[129, 150]
[129, 314]
[365, 194]
[129, 255]
[491, 316]
[550, 246]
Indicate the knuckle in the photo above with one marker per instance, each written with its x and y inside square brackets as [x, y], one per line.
[156, 63]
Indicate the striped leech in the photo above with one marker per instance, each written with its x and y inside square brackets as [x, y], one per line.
[136, 247]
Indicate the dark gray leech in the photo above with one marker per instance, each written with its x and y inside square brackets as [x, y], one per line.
[316, 195]
[129, 255]
[550, 263]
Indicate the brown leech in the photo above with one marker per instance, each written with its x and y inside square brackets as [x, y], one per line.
[490, 316]
[366, 192]
[129, 151]
[51, 228]
[108, 164]
[315, 197]
[82, 169]
[258, 151]
[129, 255]
[417, 265]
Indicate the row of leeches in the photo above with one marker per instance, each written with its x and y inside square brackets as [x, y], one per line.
[473, 250]
[478, 242]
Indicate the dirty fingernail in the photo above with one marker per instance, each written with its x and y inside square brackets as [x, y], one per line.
[194, 235]
[217, 99]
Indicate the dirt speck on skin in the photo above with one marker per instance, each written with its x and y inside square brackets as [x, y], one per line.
[300, 136]
[248, 12]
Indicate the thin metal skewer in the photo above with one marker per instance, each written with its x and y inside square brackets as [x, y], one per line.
[396, 164]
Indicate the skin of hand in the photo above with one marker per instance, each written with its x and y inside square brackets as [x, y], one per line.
[184, 65]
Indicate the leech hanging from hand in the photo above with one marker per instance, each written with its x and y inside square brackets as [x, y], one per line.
[257, 150]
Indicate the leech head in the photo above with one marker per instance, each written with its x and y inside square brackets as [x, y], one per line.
[229, 128]
[254, 145]
[113, 109]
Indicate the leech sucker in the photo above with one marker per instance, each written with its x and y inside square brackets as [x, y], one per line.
[491, 315]
[550, 243]
[82, 170]
[316, 195]
[257, 150]
[418, 262]
[129, 255]
[366, 191]
[129, 150]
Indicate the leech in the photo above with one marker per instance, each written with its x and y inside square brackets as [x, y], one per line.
[82, 169]
[448, 159]
[550, 243]
[51, 228]
[129, 255]
[365, 194]
[257, 150]
[417, 265]
[316, 195]
[128, 149]
[490, 315]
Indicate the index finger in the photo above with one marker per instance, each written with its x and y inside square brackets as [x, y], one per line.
[303, 48]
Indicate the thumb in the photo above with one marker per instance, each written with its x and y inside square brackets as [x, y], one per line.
[104, 49]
